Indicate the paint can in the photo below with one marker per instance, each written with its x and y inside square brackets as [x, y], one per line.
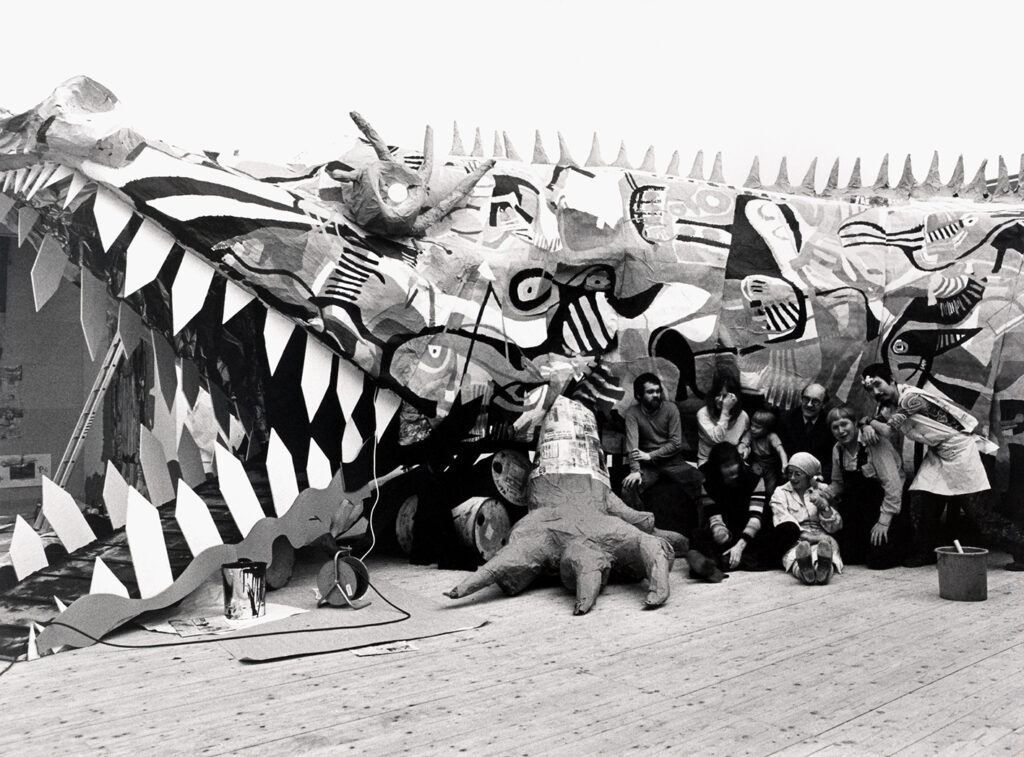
[404, 523]
[504, 474]
[482, 523]
[963, 577]
[245, 589]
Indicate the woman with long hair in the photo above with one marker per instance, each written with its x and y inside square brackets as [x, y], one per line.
[721, 419]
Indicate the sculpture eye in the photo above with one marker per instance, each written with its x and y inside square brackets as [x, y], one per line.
[900, 347]
[435, 358]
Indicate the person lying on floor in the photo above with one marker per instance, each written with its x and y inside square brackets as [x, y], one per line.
[804, 522]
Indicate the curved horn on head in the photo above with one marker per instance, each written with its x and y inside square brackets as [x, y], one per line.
[429, 217]
[379, 145]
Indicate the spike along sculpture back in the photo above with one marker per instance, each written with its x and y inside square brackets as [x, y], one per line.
[512, 282]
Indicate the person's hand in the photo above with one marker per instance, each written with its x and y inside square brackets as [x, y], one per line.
[879, 534]
[735, 553]
[639, 456]
[632, 480]
[868, 435]
[744, 450]
[728, 403]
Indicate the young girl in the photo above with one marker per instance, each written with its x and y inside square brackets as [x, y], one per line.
[721, 419]
[805, 521]
[763, 450]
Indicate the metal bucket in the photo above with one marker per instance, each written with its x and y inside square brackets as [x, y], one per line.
[483, 524]
[245, 589]
[963, 577]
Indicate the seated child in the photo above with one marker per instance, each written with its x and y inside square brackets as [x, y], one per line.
[805, 521]
[763, 449]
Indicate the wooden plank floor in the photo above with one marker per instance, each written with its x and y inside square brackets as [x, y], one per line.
[876, 663]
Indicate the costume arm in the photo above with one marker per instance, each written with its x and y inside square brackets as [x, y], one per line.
[712, 431]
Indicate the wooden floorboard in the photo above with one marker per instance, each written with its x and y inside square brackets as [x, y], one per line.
[875, 663]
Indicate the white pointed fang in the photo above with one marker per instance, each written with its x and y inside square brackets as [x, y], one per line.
[564, 158]
[716, 170]
[510, 150]
[649, 164]
[78, 182]
[539, 155]
[594, 158]
[697, 169]
[753, 180]
[807, 186]
[673, 164]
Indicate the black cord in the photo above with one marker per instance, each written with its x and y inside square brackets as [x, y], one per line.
[95, 640]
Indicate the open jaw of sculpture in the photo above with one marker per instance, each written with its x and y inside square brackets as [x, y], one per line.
[506, 282]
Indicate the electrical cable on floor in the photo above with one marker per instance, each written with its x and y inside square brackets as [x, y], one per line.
[376, 499]
[94, 640]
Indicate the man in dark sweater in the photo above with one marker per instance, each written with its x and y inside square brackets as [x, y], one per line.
[654, 443]
[804, 429]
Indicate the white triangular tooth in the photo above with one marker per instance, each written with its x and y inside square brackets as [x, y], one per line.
[61, 172]
[832, 183]
[281, 474]
[1002, 187]
[622, 159]
[237, 491]
[27, 217]
[115, 496]
[47, 271]
[235, 298]
[316, 374]
[717, 176]
[189, 290]
[112, 215]
[20, 175]
[318, 467]
[26, 549]
[539, 155]
[564, 158]
[956, 181]
[673, 164]
[93, 312]
[594, 158]
[61, 510]
[145, 256]
[697, 169]
[78, 182]
[61, 606]
[510, 150]
[782, 178]
[907, 181]
[457, 147]
[193, 518]
[978, 188]
[153, 459]
[855, 180]
[498, 149]
[41, 180]
[882, 181]
[147, 546]
[6, 203]
[807, 186]
[31, 647]
[276, 332]
[753, 180]
[105, 582]
[649, 164]
[8, 182]
[478, 144]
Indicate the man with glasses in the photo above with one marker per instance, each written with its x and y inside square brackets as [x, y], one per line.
[804, 428]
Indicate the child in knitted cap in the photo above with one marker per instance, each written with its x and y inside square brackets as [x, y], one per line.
[805, 520]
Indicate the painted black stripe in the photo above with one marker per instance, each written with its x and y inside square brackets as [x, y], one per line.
[702, 240]
[159, 187]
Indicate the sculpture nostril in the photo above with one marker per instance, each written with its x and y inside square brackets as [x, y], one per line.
[398, 192]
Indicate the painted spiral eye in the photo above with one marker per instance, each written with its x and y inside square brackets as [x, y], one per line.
[900, 347]
[530, 289]
[435, 358]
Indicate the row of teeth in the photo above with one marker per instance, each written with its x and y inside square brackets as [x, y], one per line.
[1004, 186]
[125, 506]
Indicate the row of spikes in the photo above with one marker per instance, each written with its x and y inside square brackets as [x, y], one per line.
[907, 184]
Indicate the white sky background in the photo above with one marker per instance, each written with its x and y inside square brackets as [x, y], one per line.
[773, 78]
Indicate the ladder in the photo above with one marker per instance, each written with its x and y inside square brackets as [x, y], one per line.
[115, 352]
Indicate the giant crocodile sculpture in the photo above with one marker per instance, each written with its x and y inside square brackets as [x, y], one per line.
[417, 287]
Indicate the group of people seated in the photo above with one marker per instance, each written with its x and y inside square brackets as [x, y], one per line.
[818, 486]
